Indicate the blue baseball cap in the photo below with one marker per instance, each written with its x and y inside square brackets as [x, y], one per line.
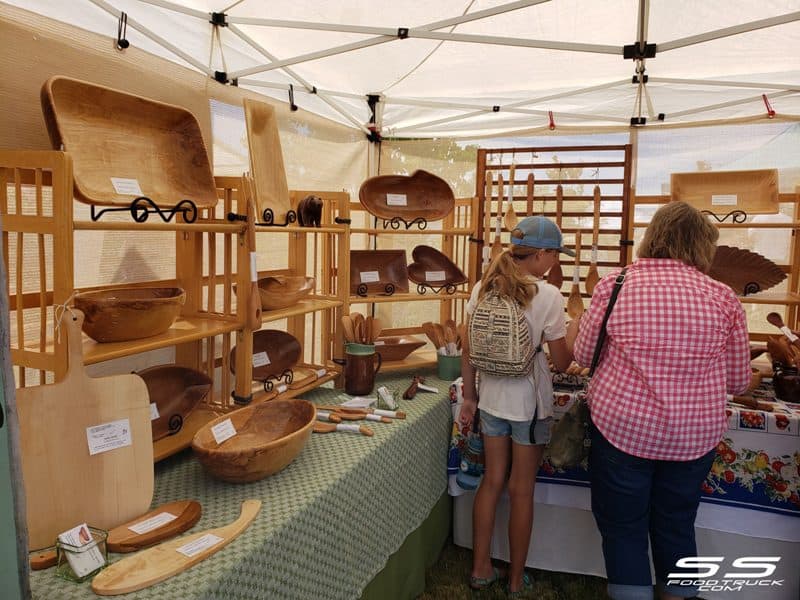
[540, 232]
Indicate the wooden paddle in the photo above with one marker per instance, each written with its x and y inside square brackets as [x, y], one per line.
[184, 514]
[510, 218]
[254, 301]
[487, 250]
[592, 276]
[529, 198]
[497, 245]
[165, 560]
[65, 485]
[320, 427]
[555, 276]
[575, 302]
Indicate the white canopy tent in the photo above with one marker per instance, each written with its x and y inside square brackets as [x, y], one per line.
[466, 68]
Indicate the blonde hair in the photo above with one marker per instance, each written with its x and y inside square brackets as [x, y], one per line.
[681, 232]
[504, 276]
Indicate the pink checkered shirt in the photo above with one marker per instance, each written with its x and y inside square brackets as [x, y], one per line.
[676, 343]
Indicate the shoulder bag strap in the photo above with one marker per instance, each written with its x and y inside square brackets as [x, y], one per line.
[601, 337]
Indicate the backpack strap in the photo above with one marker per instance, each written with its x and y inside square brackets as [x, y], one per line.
[601, 337]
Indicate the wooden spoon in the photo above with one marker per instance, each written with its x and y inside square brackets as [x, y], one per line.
[349, 330]
[575, 303]
[592, 276]
[450, 336]
[320, 427]
[377, 327]
[427, 328]
[368, 330]
[359, 324]
[441, 341]
[776, 320]
[497, 245]
[555, 276]
[529, 199]
[510, 218]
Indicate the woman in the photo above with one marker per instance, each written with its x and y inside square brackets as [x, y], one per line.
[677, 343]
[516, 411]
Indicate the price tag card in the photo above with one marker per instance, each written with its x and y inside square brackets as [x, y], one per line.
[396, 200]
[126, 187]
[153, 411]
[108, 436]
[434, 276]
[152, 523]
[204, 542]
[724, 200]
[370, 277]
[427, 388]
[260, 359]
[379, 343]
[223, 431]
[85, 556]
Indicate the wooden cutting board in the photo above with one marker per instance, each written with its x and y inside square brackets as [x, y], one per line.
[163, 561]
[65, 485]
[125, 539]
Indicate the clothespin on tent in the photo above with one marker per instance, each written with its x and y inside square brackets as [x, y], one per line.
[770, 110]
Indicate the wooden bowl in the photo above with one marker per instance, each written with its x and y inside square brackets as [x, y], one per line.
[155, 147]
[274, 351]
[744, 271]
[175, 390]
[269, 435]
[397, 347]
[378, 272]
[409, 197]
[431, 267]
[281, 291]
[123, 314]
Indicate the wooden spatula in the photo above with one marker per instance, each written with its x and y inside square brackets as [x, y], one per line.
[433, 335]
[575, 303]
[592, 276]
[347, 326]
[497, 245]
[555, 276]
[320, 427]
[377, 327]
[441, 341]
[529, 194]
[510, 218]
[163, 561]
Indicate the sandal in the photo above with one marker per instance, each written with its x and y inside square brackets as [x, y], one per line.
[526, 588]
[481, 583]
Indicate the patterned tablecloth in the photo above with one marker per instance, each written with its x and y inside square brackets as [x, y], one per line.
[328, 522]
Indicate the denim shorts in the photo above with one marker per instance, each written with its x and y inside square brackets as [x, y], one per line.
[520, 431]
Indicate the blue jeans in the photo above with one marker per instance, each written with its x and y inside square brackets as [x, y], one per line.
[633, 498]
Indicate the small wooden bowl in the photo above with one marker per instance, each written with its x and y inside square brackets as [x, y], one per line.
[268, 437]
[282, 291]
[282, 352]
[431, 267]
[175, 390]
[120, 315]
[397, 347]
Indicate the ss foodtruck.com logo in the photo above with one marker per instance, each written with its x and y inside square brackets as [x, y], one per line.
[750, 572]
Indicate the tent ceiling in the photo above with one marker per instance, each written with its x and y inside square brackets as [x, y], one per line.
[714, 59]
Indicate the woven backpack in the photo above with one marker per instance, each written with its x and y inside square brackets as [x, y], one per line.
[499, 338]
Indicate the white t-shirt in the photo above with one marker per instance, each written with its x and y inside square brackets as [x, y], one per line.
[515, 398]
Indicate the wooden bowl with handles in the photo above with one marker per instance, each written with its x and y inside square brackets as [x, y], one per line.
[269, 436]
[175, 390]
[123, 314]
[397, 347]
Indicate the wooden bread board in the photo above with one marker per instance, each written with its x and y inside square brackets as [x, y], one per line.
[123, 539]
[754, 192]
[161, 562]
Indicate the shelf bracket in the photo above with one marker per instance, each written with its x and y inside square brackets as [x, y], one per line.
[140, 212]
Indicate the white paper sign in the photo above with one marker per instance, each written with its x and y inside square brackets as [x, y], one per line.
[126, 187]
[153, 411]
[427, 388]
[260, 359]
[379, 343]
[396, 200]
[434, 276]
[204, 542]
[89, 557]
[369, 277]
[348, 427]
[370, 417]
[724, 200]
[152, 523]
[108, 436]
[223, 431]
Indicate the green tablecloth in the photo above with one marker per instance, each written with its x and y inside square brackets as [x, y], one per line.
[328, 522]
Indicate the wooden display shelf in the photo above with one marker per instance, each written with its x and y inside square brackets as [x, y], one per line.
[201, 227]
[778, 298]
[412, 231]
[787, 225]
[173, 444]
[259, 395]
[408, 297]
[297, 229]
[307, 305]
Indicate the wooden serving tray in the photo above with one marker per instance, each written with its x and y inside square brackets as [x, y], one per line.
[110, 133]
[397, 347]
[421, 194]
[122, 539]
[754, 192]
[431, 267]
[282, 350]
[175, 390]
[389, 265]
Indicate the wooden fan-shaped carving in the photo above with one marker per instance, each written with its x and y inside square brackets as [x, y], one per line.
[745, 271]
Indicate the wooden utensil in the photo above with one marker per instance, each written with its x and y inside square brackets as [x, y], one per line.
[440, 339]
[377, 327]
[165, 560]
[184, 515]
[451, 337]
[43, 559]
[348, 329]
[64, 484]
[556, 276]
[487, 250]
[368, 330]
[429, 329]
[529, 195]
[510, 218]
[497, 246]
[751, 402]
[592, 276]
[776, 320]
[359, 326]
[575, 302]
[320, 427]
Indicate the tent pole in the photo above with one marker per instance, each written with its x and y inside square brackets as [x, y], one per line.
[728, 31]
[717, 82]
[758, 98]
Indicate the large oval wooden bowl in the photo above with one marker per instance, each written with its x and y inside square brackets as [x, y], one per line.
[397, 347]
[268, 437]
[282, 291]
[124, 314]
[432, 267]
[282, 351]
[175, 390]
[420, 195]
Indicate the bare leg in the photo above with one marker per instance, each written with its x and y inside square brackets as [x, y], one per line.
[524, 465]
[483, 510]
